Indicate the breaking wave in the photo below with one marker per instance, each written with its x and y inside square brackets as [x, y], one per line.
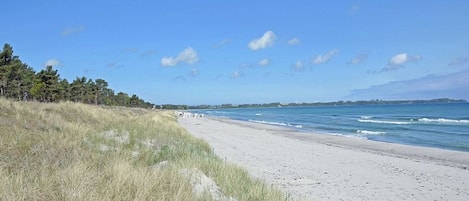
[443, 120]
[366, 132]
[276, 123]
[382, 121]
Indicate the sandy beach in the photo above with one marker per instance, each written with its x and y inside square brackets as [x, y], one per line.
[309, 166]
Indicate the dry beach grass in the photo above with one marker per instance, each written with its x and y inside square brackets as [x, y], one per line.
[70, 151]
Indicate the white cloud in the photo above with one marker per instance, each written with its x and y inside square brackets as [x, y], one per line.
[399, 61]
[72, 30]
[188, 56]
[294, 41]
[264, 62]
[237, 74]
[53, 63]
[267, 40]
[402, 58]
[168, 61]
[358, 59]
[324, 58]
[298, 66]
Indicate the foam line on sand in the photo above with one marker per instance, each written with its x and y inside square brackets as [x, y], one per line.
[310, 166]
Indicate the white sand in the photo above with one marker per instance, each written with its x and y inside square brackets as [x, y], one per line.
[322, 167]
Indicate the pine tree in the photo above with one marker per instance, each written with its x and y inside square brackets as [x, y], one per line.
[101, 89]
[48, 79]
[6, 58]
[16, 78]
[78, 88]
[65, 90]
[20, 82]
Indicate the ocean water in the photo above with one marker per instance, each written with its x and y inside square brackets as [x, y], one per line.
[443, 126]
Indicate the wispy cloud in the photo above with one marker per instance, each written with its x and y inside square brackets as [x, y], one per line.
[53, 63]
[399, 61]
[111, 64]
[264, 62]
[245, 65]
[294, 41]
[188, 56]
[298, 66]
[148, 53]
[455, 85]
[221, 43]
[194, 72]
[324, 58]
[180, 78]
[358, 59]
[71, 30]
[459, 61]
[114, 64]
[267, 40]
[129, 50]
[354, 8]
[237, 74]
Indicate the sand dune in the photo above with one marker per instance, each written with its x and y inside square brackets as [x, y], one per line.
[322, 167]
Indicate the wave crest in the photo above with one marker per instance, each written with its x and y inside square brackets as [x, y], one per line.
[443, 120]
[276, 123]
[366, 132]
[383, 122]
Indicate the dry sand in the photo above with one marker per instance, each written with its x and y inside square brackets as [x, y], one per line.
[310, 166]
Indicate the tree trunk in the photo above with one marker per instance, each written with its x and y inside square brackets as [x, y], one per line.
[96, 99]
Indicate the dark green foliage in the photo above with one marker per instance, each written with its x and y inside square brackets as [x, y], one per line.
[19, 81]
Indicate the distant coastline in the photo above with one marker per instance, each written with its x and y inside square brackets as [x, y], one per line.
[335, 103]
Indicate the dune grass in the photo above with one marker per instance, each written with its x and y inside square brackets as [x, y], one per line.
[71, 151]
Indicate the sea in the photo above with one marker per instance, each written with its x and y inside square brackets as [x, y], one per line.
[442, 125]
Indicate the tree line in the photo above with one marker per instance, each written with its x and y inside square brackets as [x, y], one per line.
[20, 82]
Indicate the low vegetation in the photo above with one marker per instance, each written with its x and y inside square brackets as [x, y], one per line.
[73, 151]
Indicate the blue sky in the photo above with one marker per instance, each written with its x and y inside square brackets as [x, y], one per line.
[214, 52]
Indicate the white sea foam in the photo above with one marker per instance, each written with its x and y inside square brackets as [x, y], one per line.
[276, 123]
[366, 117]
[382, 122]
[366, 132]
[345, 135]
[443, 120]
[269, 122]
[258, 114]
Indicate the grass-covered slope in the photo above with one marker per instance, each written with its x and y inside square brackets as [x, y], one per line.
[70, 151]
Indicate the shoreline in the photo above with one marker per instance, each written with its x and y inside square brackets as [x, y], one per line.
[452, 158]
[309, 166]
